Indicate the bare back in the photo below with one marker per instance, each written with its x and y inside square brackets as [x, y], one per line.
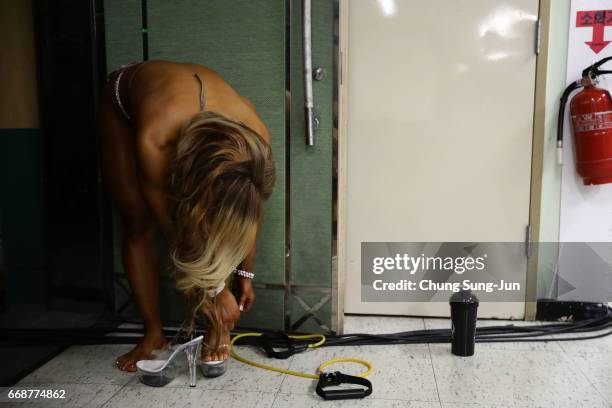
[166, 94]
[162, 96]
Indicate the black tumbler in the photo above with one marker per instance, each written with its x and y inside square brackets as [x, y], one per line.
[464, 305]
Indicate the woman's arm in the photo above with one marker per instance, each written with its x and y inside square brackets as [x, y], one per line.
[154, 162]
[158, 124]
[246, 295]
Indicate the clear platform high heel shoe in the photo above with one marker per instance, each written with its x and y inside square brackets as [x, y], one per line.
[159, 372]
[212, 369]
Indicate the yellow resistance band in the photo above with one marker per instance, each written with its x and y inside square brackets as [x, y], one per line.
[297, 373]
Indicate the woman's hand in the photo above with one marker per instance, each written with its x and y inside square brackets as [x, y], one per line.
[245, 293]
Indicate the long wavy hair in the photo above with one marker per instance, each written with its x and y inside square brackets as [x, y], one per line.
[222, 175]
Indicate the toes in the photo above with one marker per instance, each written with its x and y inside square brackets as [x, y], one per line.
[126, 364]
[120, 363]
[216, 356]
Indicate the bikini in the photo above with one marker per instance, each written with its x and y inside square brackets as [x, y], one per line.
[118, 87]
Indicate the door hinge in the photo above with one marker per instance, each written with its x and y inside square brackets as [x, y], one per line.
[538, 36]
[528, 241]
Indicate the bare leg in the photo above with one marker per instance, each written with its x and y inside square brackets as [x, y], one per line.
[227, 308]
[141, 261]
[140, 258]
[222, 353]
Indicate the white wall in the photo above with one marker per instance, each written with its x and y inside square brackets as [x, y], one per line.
[569, 212]
[586, 214]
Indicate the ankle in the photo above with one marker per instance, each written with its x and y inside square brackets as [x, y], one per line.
[153, 331]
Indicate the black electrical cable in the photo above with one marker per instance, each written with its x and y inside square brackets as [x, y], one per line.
[506, 333]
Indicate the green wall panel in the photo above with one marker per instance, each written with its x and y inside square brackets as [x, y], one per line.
[311, 166]
[267, 312]
[243, 41]
[123, 38]
[305, 321]
[123, 32]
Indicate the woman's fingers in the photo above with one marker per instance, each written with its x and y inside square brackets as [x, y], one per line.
[242, 303]
[249, 303]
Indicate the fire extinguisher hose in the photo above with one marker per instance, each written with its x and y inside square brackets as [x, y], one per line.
[561, 118]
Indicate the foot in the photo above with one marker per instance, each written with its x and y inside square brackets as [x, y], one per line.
[142, 351]
[227, 308]
[221, 353]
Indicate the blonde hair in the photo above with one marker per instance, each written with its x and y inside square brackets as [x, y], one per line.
[222, 174]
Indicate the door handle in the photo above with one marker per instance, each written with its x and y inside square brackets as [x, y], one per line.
[307, 49]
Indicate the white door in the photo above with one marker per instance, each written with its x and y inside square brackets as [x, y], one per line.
[439, 123]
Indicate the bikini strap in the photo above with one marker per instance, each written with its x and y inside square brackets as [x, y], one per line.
[201, 91]
[138, 67]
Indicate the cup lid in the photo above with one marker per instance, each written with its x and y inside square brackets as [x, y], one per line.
[464, 296]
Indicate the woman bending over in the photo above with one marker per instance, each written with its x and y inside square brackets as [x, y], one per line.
[184, 152]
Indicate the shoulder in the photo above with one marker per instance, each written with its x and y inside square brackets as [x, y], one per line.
[253, 120]
[159, 122]
[248, 102]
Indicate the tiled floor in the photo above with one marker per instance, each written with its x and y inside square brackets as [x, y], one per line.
[553, 374]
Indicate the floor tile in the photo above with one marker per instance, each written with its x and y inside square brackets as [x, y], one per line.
[139, 397]
[76, 395]
[545, 346]
[597, 367]
[601, 344]
[237, 377]
[401, 372]
[308, 401]
[381, 324]
[533, 378]
[467, 405]
[515, 404]
[508, 375]
[506, 405]
[83, 365]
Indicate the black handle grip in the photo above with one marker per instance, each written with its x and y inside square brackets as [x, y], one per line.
[351, 393]
[337, 378]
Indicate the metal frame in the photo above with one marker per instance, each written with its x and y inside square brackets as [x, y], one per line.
[340, 146]
[287, 286]
[537, 160]
[294, 292]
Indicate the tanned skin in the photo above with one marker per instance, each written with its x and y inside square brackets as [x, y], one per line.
[135, 165]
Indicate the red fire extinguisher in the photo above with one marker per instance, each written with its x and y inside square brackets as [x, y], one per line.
[591, 118]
